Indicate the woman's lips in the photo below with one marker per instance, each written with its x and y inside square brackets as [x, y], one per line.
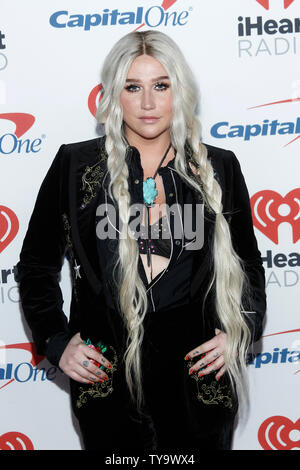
[149, 119]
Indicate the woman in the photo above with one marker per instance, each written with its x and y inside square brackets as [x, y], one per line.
[159, 325]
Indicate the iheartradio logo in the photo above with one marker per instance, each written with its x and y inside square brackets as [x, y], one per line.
[279, 433]
[270, 209]
[94, 99]
[266, 3]
[9, 226]
[15, 441]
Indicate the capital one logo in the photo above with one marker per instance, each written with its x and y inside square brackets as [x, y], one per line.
[279, 433]
[284, 356]
[270, 209]
[166, 4]
[23, 371]
[274, 127]
[266, 3]
[22, 121]
[9, 226]
[12, 142]
[151, 16]
[15, 441]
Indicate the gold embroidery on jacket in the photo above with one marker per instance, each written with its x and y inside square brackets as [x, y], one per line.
[72, 260]
[212, 393]
[99, 389]
[91, 179]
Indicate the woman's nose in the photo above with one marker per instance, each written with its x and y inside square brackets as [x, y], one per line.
[147, 100]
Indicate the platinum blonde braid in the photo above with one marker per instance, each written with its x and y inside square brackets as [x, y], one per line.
[229, 280]
[132, 294]
[132, 299]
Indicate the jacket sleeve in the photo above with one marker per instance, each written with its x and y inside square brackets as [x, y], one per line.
[39, 267]
[245, 244]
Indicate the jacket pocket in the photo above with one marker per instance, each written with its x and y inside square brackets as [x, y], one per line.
[208, 391]
[88, 392]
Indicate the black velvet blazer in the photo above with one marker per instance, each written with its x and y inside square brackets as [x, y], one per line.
[63, 223]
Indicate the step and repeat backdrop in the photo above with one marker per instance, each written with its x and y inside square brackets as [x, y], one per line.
[245, 55]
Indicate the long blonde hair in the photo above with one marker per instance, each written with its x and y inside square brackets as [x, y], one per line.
[229, 280]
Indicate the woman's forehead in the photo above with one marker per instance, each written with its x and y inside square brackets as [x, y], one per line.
[145, 67]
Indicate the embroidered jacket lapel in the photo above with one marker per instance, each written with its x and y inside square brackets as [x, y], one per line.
[86, 173]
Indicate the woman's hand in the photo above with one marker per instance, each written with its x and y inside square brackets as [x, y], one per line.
[213, 360]
[76, 362]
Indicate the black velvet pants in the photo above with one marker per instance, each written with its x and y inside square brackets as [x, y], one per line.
[180, 413]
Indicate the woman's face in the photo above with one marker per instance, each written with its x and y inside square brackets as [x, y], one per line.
[147, 99]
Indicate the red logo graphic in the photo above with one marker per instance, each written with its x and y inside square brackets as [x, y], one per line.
[266, 3]
[35, 357]
[15, 441]
[270, 209]
[279, 433]
[94, 98]
[290, 100]
[166, 4]
[22, 121]
[9, 226]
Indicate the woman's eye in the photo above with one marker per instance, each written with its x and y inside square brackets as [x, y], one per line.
[132, 88]
[161, 86]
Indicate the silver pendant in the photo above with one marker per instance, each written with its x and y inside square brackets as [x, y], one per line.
[77, 268]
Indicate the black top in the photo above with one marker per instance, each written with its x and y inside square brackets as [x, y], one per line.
[160, 239]
[171, 286]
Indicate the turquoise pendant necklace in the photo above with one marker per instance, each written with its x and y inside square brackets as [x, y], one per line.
[149, 186]
[150, 192]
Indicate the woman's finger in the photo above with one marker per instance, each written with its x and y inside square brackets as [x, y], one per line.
[221, 372]
[95, 355]
[207, 364]
[212, 367]
[218, 341]
[85, 368]
[78, 377]
[203, 348]
[207, 359]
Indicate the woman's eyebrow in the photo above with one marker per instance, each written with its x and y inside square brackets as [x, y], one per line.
[163, 77]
